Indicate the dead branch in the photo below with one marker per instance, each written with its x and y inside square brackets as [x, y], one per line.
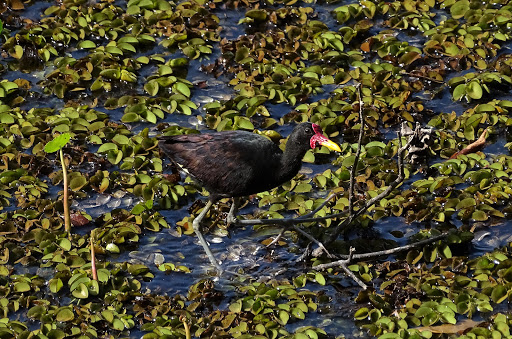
[421, 77]
[277, 238]
[414, 138]
[377, 254]
[343, 264]
[310, 218]
[358, 154]
[399, 179]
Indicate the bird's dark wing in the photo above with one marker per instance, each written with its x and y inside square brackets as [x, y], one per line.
[231, 163]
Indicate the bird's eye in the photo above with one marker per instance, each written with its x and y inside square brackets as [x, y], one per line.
[308, 130]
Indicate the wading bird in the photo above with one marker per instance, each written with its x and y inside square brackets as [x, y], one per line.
[239, 163]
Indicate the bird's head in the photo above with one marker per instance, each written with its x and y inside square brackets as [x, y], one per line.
[318, 138]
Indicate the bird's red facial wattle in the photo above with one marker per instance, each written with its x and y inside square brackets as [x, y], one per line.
[320, 139]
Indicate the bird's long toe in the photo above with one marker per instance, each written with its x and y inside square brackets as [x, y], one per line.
[231, 218]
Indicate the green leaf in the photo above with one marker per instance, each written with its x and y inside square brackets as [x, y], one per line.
[77, 183]
[459, 92]
[423, 311]
[284, 317]
[57, 143]
[112, 248]
[65, 314]
[449, 318]
[107, 147]
[130, 117]
[21, 286]
[103, 275]
[499, 293]
[138, 269]
[447, 252]
[479, 216]
[361, 313]
[121, 139]
[181, 88]
[36, 312]
[18, 52]
[118, 324]
[485, 108]
[298, 313]
[320, 278]
[185, 109]
[245, 123]
[152, 87]
[236, 307]
[302, 188]
[55, 285]
[468, 202]
[108, 315]
[256, 14]
[86, 44]
[459, 8]
[138, 209]
[474, 90]
[81, 291]
[6, 118]
[65, 244]
[309, 157]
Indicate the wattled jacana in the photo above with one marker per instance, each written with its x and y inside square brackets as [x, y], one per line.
[239, 163]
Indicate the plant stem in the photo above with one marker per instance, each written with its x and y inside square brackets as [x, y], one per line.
[67, 223]
[183, 319]
[93, 258]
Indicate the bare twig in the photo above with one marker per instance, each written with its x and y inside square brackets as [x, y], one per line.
[276, 239]
[370, 255]
[307, 218]
[358, 154]
[305, 253]
[325, 202]
[311, 238]
[352, 215]
[343, 264]
[422, 77]
[399, 179]
[286, 221]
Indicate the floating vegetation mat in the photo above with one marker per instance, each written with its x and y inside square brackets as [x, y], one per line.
[86, 86]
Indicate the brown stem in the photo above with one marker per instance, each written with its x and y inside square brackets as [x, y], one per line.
[93, 258]
[67, 222]
[473, 147]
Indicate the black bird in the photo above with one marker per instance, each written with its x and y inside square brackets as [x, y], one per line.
[239, 163]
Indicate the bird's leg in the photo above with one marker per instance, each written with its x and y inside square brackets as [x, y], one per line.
[231, 218]
[196, 226]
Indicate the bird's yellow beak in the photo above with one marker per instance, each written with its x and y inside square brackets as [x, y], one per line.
[329, 144]
[320, 139]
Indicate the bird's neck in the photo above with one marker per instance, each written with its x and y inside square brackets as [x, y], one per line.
[291, 160]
